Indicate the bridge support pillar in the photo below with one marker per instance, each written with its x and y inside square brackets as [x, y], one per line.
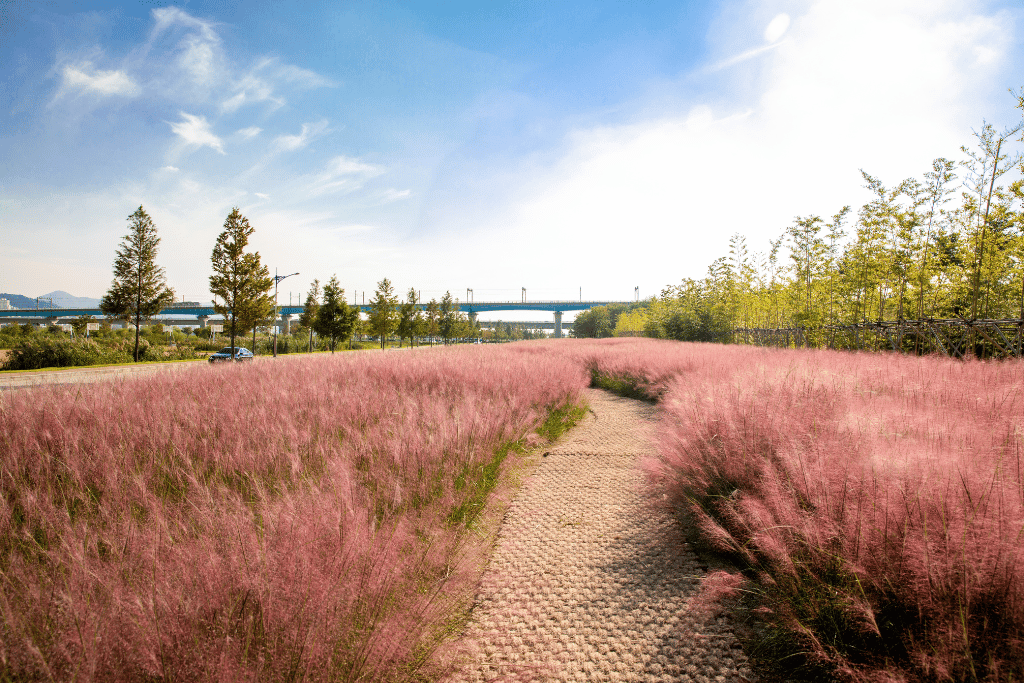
[558, 324]
[286, 324]
[472, 318]
[203, 319]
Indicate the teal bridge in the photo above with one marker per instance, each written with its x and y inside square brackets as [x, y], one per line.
[203, 313]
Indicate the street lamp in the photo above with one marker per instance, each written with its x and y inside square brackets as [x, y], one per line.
[277, 279]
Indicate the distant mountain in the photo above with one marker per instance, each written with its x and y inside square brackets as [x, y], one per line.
[18, 301]
[60, 299]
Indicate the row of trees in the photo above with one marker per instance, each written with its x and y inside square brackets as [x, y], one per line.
[326, 314]
[947, 245]
[241, 286]
[240, 283]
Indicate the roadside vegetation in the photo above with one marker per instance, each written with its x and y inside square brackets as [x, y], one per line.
[321, 519]
[947, 244]
[872, 504]
[315, 521]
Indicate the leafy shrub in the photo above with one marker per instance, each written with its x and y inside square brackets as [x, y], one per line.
[41, 351]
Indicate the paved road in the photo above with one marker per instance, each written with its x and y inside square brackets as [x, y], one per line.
[587, 583]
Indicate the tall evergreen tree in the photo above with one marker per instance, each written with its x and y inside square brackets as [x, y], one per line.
[239, 279]
[384, 311]
[139, 289]
[309, 311]
[432, 320]
[409, 318]
[450, 322]
[335, 319]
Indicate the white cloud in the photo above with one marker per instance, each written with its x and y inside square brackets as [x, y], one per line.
[309, 131]
[194, 131]
[250, 132]
[343, 174]
[166, 17]
[884, 86]
[260, 83]
[392, 195]
[261, 195]
[776, 28]
[83, 77]
[171, 169]
[233, 103]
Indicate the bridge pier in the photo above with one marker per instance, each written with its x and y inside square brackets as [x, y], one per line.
[203, 319]
[285, 324]
[558, 325]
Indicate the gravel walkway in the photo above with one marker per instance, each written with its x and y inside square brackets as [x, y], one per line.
[587, 583]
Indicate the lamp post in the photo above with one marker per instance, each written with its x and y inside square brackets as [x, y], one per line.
[277, 279]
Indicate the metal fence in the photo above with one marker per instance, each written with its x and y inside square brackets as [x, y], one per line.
[955, 337]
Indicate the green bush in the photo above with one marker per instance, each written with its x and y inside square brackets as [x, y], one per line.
[50, 352]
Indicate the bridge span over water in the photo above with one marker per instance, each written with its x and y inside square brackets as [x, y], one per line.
[204, 313]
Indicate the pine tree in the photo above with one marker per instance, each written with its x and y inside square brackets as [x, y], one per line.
[139, 289]
[309, 312]
[239, 279]
[450, 322]
[335, 319]
[410, 321]
[432, 320]
[384, 311]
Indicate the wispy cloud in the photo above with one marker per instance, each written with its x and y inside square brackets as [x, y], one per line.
[260, 84]
[742, 57]
[195, 132]
[343, 174]
[261, 195]
[84, 78]
[309, 131]
[775, 29]
[250, 132]
[392, 195]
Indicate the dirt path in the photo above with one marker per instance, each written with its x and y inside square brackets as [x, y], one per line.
[586, 582]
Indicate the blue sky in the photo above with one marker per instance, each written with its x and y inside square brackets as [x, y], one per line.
[499, 145]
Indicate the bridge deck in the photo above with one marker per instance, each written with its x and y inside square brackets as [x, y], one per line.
[471, 307]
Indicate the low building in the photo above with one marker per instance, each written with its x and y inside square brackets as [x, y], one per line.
[5, 305]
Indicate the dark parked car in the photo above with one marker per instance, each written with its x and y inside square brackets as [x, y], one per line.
[224, 355]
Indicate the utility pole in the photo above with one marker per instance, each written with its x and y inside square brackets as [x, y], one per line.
[524, 295]
[277, 279]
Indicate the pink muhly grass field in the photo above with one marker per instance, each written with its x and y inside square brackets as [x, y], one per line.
[875, 502]
[310, 519]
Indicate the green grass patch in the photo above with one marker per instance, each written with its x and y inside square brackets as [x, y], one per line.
[480, 480]
[625, 385]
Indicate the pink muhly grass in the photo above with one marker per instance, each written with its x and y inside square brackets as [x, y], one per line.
[273, 522]
[875, 501]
